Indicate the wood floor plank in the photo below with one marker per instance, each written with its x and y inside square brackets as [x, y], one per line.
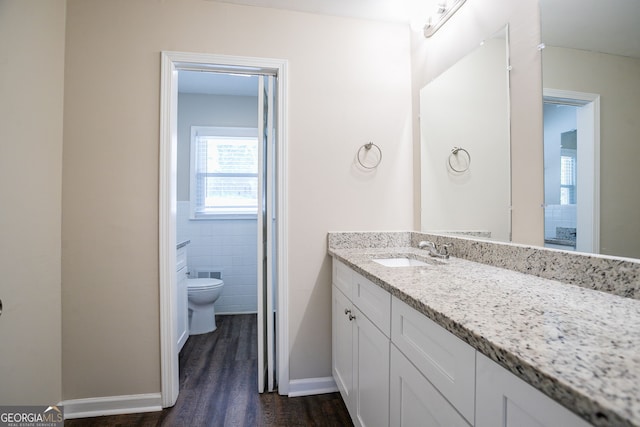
[218, 388]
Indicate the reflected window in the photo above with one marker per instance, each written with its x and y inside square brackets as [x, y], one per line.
[568, 177]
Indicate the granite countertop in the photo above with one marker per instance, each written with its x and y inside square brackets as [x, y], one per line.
[579, 346]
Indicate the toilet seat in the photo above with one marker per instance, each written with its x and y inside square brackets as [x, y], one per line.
[197, 285]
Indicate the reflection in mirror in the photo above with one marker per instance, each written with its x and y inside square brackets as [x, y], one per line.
[572, 205]
[592, 60]
[465, 145]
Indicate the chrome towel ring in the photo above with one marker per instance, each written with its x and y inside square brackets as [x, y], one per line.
[465, 165]
[366, 149]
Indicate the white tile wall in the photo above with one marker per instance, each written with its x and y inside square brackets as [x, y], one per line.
[558, 216]
[227, 246]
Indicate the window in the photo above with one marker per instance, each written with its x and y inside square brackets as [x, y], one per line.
[224, 172]
[568, 178]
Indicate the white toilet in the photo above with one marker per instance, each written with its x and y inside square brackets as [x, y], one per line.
[203, 293]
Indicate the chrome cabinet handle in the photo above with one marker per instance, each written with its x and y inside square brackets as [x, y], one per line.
[351, 317]
[347, 311]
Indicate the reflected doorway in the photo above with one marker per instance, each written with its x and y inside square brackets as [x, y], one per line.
[571, 171]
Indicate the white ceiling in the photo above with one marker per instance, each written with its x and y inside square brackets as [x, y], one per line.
[610, 26]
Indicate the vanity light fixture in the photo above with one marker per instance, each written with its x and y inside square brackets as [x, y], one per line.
[446, 9]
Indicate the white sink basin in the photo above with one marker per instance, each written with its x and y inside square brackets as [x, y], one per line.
[400, 262]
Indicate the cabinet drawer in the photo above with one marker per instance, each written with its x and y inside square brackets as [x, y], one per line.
[414, 400]
[342, 277]
[181, 258]
[373, 301]
[446, 361]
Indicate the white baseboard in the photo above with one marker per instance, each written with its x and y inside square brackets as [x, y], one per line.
[311, 386]
[112, 405]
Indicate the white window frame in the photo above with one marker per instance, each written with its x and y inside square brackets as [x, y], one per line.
[216, 131]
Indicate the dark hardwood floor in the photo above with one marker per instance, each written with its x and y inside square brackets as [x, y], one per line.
[218, 387]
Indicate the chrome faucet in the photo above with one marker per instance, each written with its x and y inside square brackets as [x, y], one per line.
[433, 251]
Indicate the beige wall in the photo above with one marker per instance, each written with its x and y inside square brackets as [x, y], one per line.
[615, 79]
[31, 95]
[349, 84]
[474, 22]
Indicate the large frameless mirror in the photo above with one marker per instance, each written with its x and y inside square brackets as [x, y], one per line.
[465, 145]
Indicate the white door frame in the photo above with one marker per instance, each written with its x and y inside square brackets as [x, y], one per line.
[171, 63]
[589, 114]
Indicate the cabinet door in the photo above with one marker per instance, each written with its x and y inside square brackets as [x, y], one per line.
[342, 357]
[415, 402]
[183, 309]
[371, 373]
[504, 400]
[448, 362]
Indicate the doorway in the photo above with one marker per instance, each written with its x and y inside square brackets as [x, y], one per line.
[269, 211]
[572, 170]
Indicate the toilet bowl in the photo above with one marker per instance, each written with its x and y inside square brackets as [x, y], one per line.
[202, 294]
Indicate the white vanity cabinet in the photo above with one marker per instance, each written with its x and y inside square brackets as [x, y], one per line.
[396, 367]
[505, 400]
[182, 297]
[360, 365]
